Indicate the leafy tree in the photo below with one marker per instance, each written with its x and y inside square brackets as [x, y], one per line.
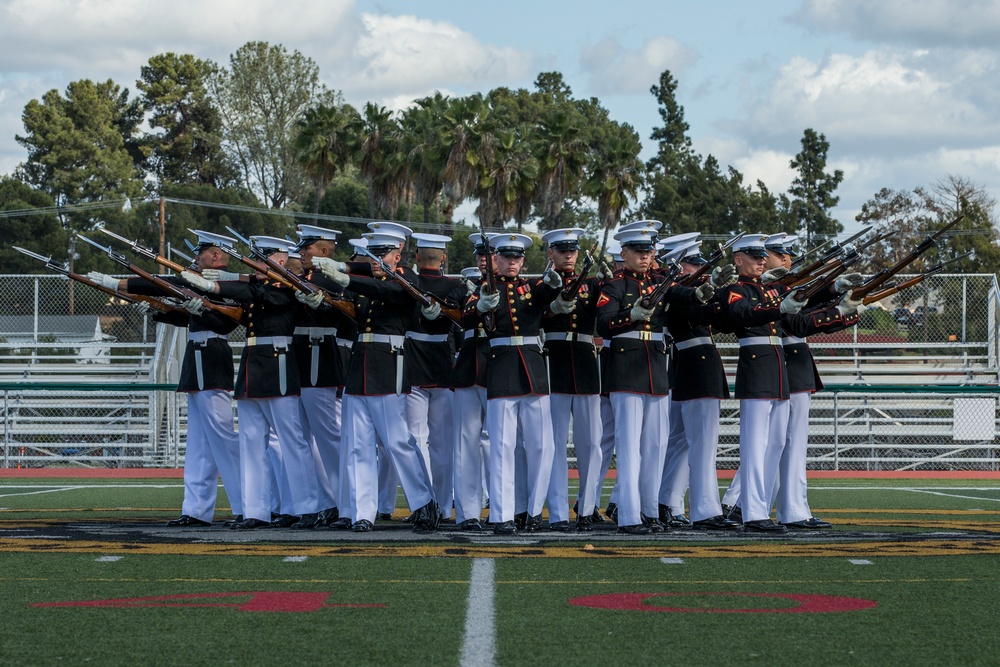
[188, 148]
[261, 95]
[812, 190]
[422, 147]
[381, 161]
[562, 154]
[615, 175]
[466, 145]
[325, 143]
[39, 233]
[508, 180]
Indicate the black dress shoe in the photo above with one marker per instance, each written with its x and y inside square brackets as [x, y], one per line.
[185, 521]
[585, 524]
[560, 527]
[520, 520]
[363, 526]
[533, 524]
[664, 515]
[654, 525]
[637, 529]
[427, 518]
[505, 528]
[236, 519]
[471, 526]
[735, 514]
[812, 523]
[342, 523]
[328, 516]
[597, 517]
[307, 522]
[680, 521]
[763, 526]
[715, 523]
[612, 512]
[386, 516]
[284, 521]
[410, 519]
[249, 524]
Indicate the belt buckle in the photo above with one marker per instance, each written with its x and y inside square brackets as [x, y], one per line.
[645, 335]
[481, 333]
[517, 340]
[251, 341]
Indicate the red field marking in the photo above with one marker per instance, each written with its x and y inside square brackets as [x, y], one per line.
[271, 601]
[808, 604]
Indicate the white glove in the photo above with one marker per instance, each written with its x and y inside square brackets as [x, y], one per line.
[848, 305]
[141, 307]
[561, 306]
[194, 305]
[312, 300]
[723, 276]
[216, 274]
[431, 312]
[332, 269]
[638, 313]
[103, 279]
[552, 279]
[772, 275]
[848, 281]
[704, 292]
[470, 287]
[604, 271]
[193, 279]
[790, 306]
[488, 301]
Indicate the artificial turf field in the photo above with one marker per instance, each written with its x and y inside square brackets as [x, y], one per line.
[909, 575]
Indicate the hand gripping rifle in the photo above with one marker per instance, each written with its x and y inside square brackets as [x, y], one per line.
[885, 274]
[490, 316]
[234, 313]
[420, 296]
[807, 273]
[573, 288]
[278, 273]
[153, 302]
[872, 297]
[717, 256]
[654, 297]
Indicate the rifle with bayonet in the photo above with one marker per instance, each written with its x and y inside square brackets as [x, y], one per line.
[807, 273]
[147, 252]
[420, 296]
[234, 313]
[919, 278]
[654, 297]
[280, 274]
[885, 274]
[717, 256]
[800, 260]
[836, 268]
[573, 288]
[490, 316]
[153, 302]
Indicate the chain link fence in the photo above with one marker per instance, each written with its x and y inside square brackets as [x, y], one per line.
[86, 381]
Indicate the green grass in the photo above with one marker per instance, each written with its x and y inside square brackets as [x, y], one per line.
[930, 609]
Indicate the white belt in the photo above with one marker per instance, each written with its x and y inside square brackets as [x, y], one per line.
[760, 340]
[343, 342]
[395, 341]
[427, 338]
[569, 337]
[694, 342]
[641, 335]
[318, 333]
[515, 341]
[474, 332]
[202, 336]
[276, 341]
[792, 340]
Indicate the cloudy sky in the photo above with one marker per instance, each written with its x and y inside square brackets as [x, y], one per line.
[906, 91]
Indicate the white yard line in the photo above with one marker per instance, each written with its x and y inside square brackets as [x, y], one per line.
[57, 489]
[951, 495]
[479, 640]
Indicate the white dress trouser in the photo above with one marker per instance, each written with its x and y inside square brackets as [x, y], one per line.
[700, 419]
[791, 496]
[213, 448]
[641, 422]
[382, 419]
[503, 418]
[676, 470]
[322, 431]
[387, 481]
[428, 412]
[257, 417]
[607, 448]
[585, 409]
[763, 423]
[469, 413]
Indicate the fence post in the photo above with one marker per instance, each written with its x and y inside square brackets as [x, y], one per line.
[6, 429]
[836, 431]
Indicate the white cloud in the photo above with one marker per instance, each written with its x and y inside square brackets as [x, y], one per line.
[920, 22]
[614, 70]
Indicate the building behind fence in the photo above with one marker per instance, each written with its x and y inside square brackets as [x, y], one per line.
[87, 382]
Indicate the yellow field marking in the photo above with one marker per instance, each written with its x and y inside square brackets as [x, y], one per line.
[749, 549]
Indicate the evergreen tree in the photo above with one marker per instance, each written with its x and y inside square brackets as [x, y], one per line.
[812, 190]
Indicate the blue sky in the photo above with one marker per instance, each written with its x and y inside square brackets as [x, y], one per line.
[905, 91]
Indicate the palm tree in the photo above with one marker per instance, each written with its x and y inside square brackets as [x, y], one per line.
[507, 184]
[562, 155]
[466, 142]
[324, 144]
[615, 175]
[381, 161]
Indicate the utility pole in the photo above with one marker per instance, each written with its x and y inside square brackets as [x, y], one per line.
[163, 227]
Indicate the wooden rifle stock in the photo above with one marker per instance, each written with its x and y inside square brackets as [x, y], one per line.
[490, 316]
[571, 290]
[654, 297]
